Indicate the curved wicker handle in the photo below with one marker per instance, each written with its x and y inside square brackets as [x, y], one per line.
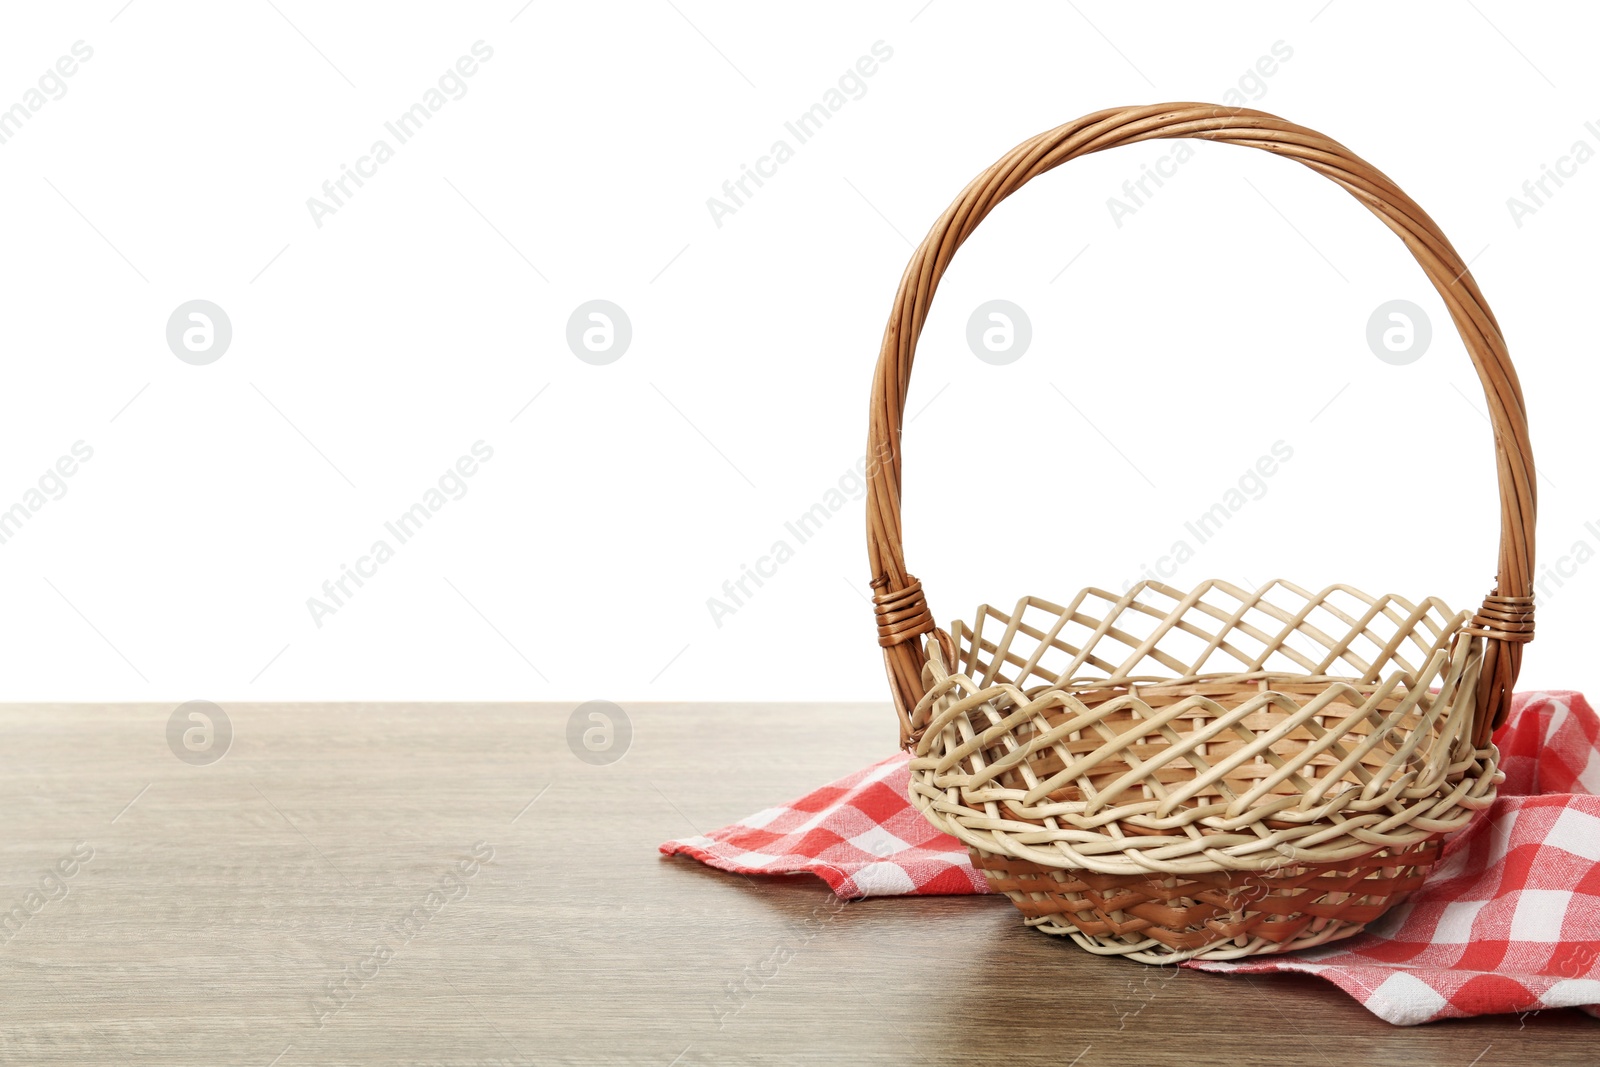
[1505, 621]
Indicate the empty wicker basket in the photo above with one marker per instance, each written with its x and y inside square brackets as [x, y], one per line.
[1219, 772]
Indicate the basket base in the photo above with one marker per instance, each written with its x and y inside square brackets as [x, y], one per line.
[1215, 916]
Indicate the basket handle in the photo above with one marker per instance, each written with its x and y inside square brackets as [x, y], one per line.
[1503, 624]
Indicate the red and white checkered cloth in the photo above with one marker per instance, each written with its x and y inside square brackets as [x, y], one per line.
[1508, 921]
[860, 835]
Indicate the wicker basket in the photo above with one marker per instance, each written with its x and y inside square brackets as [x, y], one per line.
[1220, 772]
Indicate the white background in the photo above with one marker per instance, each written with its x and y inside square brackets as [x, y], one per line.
[1227, 313]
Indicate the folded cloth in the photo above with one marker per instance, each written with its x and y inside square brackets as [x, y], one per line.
[1507, 921]
[860, 835]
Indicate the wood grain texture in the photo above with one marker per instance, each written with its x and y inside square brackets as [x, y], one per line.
[219, 904]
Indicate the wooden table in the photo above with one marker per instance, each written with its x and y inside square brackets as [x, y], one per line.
[324, 894]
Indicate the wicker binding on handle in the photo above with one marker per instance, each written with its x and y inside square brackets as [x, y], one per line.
[1104, 775]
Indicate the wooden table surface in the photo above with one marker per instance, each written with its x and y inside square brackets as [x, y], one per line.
[451, 884]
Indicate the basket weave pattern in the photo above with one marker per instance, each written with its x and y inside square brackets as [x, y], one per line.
[1212, 773]
[1220, 772]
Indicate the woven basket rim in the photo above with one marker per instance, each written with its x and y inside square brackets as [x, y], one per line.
[1207, 771]
[1445, 622]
